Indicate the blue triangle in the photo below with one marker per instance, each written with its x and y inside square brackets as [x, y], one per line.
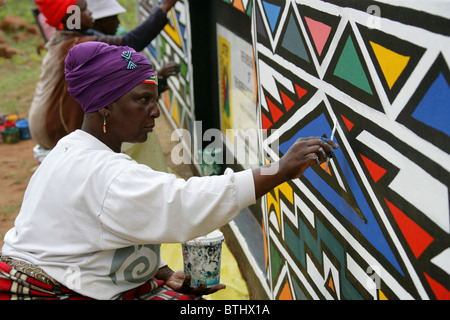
[370, 229]
[272, 13]
[434, 109]
[152, 50]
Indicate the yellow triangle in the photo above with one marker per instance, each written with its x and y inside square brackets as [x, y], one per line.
[175, 115]
[173, 31]
[381, 295]
[271, 200]
[392, 64]
[286, 189]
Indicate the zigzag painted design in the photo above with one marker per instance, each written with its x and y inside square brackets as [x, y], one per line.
[368, 228]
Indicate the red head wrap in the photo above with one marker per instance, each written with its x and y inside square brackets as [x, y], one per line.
[55, 10]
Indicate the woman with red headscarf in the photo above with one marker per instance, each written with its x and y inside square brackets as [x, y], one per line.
[53, 112]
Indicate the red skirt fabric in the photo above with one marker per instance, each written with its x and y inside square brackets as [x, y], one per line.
[20, 280]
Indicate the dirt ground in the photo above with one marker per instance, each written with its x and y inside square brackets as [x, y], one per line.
[17, 164]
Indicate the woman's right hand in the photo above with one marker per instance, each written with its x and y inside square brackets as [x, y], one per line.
[304, 153]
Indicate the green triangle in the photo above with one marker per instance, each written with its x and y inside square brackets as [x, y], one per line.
[276, 262]
[249, 9]
[349, 67]
[293, 41]
[162, 48]
[183, 69]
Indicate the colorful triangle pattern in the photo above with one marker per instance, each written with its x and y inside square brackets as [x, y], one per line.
[352, 204]
[372, 68]
[276, 112]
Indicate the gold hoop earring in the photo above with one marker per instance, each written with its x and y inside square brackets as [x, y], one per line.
[104, 124]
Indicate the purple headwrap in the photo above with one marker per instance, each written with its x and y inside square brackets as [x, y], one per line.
[98, 74]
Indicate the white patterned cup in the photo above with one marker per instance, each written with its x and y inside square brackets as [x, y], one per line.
[201, 258]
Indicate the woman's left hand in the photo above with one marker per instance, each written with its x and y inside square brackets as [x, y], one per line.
[181, 283]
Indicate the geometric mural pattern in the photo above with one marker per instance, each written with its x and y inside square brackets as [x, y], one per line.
[173, 44]
[375, 224]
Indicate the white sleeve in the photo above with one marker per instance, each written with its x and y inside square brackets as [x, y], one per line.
[146, 206]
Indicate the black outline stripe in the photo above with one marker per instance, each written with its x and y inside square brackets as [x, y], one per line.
[404, 15]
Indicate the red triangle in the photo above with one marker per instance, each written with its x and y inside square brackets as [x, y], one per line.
[288, 103]
[348, 124]
[276, 113]
[439, 290]
[417, 238]
[375, 170]
[266, 124]
[300, 92]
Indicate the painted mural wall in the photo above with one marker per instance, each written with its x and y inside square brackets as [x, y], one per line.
[173, 44]
[376, 223]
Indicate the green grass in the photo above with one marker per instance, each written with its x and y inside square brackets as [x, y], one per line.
[21, 8]
[19, 77]
[128, 19]
[7, 209]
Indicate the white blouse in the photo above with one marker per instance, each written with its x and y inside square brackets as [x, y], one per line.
[94, 219]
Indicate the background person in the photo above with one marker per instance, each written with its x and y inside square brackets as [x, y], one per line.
[106, 22]
[53, 112]
[106, 16]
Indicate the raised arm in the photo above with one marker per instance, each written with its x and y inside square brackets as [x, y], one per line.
[142, 35]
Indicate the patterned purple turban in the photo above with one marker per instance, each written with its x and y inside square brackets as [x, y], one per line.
[98, 74]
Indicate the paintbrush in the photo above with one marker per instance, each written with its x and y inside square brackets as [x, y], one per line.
[331, 138]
